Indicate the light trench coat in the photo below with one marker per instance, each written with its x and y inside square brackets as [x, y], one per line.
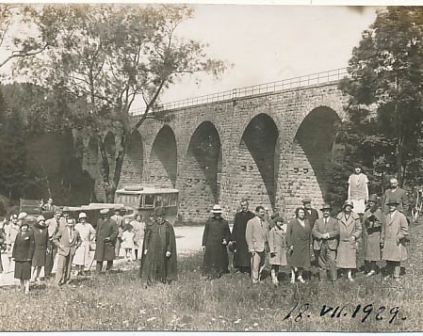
[393, 233]
[346, 256]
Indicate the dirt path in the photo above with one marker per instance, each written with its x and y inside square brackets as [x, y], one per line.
[188, 241]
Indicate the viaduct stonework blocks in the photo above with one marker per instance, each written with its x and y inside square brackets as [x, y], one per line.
[271, 149]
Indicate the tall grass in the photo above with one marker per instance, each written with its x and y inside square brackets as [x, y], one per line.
[118, 301]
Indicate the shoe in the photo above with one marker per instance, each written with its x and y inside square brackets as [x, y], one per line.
[300, 279]
[350, 279]
[26, 291]
[371, 273]
[397, 279]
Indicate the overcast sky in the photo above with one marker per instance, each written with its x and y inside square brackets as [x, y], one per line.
[270, 43]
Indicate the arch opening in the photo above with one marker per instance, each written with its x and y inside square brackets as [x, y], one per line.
[258, 162]
[133, 164]
[203, 164]
[163, 159]
[311, 154]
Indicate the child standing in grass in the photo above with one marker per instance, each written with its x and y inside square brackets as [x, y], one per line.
[128, 241]
[277, 246]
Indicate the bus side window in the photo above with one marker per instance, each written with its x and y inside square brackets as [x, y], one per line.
[166, 200]
[159, 200]
[149, 201]
[172, 199]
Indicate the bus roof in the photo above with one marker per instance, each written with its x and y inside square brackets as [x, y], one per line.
[146, 190]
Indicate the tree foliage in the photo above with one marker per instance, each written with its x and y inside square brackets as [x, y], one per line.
[106, 55]
[384, 130]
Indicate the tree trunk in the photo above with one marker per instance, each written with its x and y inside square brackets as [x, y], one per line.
[109, 188]
[119, 159]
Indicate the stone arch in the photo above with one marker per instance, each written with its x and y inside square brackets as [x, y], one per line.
[133, 163]
[110, 149]
[163, 159]
[203, 161]
[258, 162]
[310, 156]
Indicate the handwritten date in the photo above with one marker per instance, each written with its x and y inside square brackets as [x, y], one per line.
[362, 313]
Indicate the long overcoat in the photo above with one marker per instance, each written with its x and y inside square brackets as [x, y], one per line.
[155, 266]
[242, 256]
[277, 245]
[216, 259]
[24, 246]
[348, 227]
[393, 233]
[41, 241]
[372, 228]
[299, 237]
[105, 250]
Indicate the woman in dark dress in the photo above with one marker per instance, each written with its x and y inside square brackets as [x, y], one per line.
[40, 231]
[22, 253]
[216, 237]
[298, 240]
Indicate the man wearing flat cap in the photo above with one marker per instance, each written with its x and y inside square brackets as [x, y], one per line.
[106, 235]
[394, 236]
[216, 237]
[159, 259]
[326, 239]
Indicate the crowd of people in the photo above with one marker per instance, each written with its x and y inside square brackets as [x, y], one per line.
[257, 240]
[62, 243]
[329, 242]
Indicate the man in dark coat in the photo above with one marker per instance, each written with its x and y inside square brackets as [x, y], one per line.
[312, 216]
[242, 258]
[216, 237]
[395, 194]
[159, 259]
[106, 235]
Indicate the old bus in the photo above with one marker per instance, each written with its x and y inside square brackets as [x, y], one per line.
[146, 199]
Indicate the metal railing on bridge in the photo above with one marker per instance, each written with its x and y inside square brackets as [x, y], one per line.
[290, 83]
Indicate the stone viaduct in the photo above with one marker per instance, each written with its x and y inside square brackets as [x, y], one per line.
[269, 145]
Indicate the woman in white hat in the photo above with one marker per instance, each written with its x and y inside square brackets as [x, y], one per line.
[87, 234]
[40, 230]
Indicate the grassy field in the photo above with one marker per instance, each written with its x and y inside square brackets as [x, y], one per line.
[117, 301]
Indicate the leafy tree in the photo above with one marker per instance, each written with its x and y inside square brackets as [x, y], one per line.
[24, 42]
[385, 86]
[109, 54]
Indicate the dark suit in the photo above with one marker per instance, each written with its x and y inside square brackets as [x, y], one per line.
[400, 196]
[312, 216]
[326, 246]
[66, 247]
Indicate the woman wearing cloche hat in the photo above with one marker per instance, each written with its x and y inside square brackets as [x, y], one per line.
[349, 232]
[87, 234]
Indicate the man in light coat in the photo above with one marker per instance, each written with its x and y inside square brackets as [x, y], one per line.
[256, 236]
[67, 240]
[393, 238]
[326, 239]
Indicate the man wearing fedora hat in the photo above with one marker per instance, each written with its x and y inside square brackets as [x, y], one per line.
[373, 220]
[349, 232]
[394, 236]
[326, 239]
[106, 235]
[216, 237]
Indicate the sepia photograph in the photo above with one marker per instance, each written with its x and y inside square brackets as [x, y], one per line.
[211, 167]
